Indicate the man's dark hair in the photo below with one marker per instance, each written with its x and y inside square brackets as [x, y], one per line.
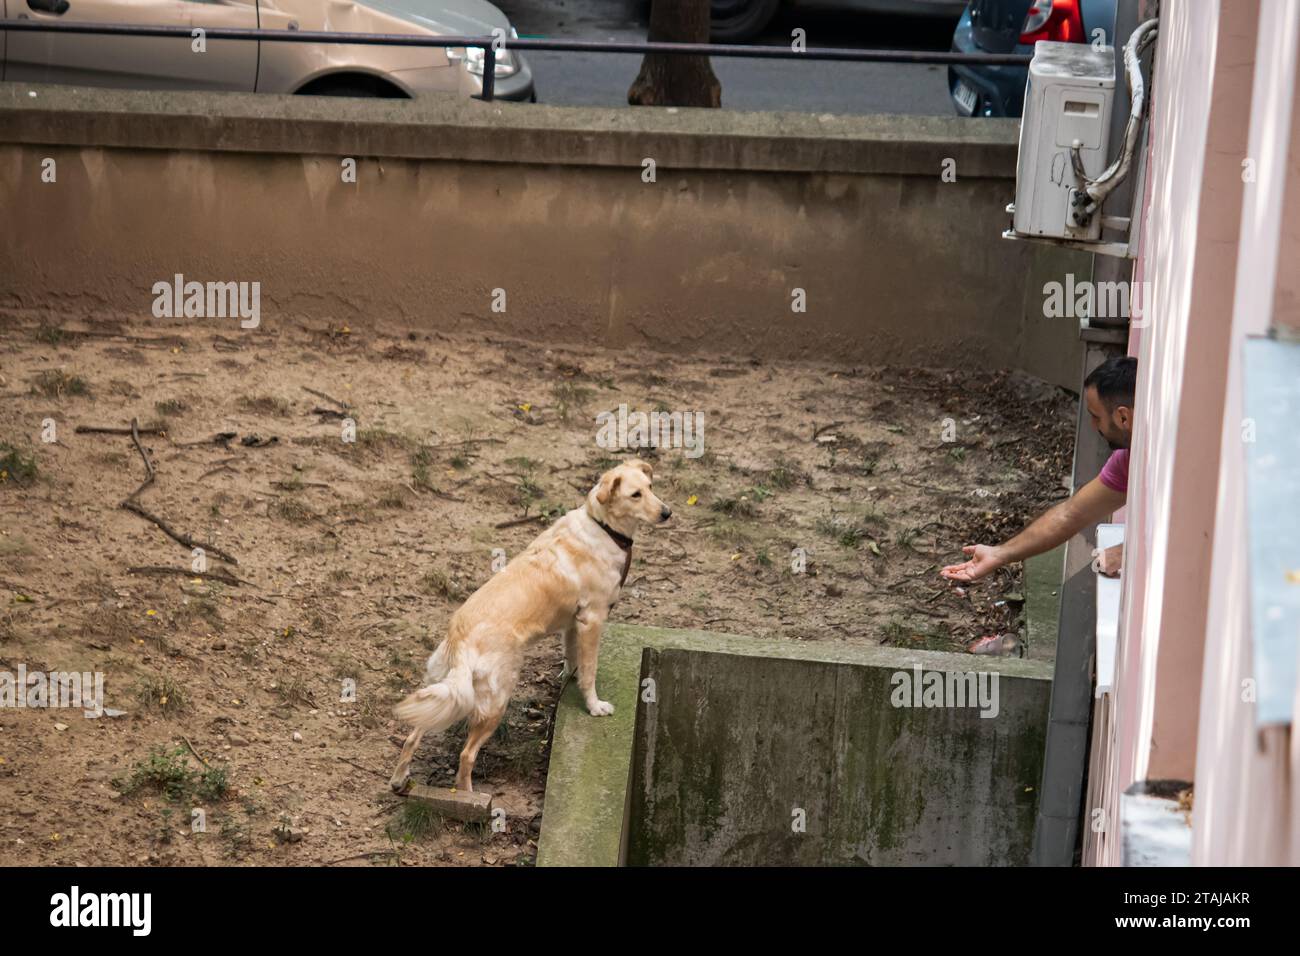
[1115, 381]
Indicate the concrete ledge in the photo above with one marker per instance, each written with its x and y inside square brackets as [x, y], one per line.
[587, 799]
[452, 128]
[1043, 575]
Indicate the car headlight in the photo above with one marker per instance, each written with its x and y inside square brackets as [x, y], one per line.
[473, 57]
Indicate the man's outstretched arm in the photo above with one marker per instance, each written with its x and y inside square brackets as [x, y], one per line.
[1093, 502]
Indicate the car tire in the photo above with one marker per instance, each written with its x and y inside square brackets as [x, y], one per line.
[732, 21]
[365, 87]
[354, 91]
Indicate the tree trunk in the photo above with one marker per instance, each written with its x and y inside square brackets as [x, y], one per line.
[674, 80]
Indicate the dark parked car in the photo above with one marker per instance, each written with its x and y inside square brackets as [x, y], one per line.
[1014, 26]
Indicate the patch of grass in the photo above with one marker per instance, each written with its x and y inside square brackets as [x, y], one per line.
[293, 690]
[342, 666]
[553, 510]
[108, 624]
[707, 460]
[264, 405]
[213, 785]
[784, 475]
[569, 397]
[392, 498]
[421, 462]
[893, 633]
[161, 695]
[15, 466]
[167, 771]
[111, 459]
[523, 758]
[742, 507]
[165, 825]
[170, 406]
[849, 530]
[290, 509]
[379, 439]
[415, 821]
[203, 608]
[56, 383]
[957, 454]
[907, 538]
[528, 491]
[732, 533]
[283, 831]
[928, 636]
[52, 335]
[237, 836]
[435, 581]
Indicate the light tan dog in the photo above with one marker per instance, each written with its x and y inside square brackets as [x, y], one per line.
[565, 582]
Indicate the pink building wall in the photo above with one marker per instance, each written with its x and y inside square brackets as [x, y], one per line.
[1248, 782]
[1223, 93]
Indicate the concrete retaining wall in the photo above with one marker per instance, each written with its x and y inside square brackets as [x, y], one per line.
[758, 761]
[456, 199]
[767, 726]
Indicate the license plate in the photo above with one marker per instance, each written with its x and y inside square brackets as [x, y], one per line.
[965, 97]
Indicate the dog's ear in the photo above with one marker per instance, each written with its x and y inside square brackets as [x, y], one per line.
[643, 465]
[608, 485]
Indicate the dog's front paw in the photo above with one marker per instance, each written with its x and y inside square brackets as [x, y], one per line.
[601, 708]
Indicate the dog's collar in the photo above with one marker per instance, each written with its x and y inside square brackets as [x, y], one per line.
[620, 539]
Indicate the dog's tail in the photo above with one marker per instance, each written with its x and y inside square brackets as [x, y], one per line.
[440, 705]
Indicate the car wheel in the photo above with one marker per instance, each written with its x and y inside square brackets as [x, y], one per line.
[351, 84]
[734, 20]
[355, 91]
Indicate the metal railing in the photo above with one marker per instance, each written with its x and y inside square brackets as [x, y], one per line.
[492, 45]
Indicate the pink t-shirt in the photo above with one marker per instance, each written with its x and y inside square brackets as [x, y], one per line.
[1114, 474]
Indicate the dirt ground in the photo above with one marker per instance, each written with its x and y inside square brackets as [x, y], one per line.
[353, 555]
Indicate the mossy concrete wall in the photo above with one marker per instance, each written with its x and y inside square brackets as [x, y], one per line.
[708, 764]
[758, 761]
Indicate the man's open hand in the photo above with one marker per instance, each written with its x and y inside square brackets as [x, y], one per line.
[1109, 561]
[984, 560]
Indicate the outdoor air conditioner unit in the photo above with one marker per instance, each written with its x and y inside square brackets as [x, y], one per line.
[1062, 180]
[1065, 130]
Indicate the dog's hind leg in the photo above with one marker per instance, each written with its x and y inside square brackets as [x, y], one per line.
[403, 771]
[492, 698]
[480, 729]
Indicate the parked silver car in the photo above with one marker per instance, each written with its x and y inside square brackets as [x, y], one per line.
[265, 66]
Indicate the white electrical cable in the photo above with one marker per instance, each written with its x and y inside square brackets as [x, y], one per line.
[1101, 187]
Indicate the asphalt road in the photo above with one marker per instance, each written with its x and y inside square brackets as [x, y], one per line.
[578, 79]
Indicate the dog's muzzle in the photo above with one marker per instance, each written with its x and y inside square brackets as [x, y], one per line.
[665, 513]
